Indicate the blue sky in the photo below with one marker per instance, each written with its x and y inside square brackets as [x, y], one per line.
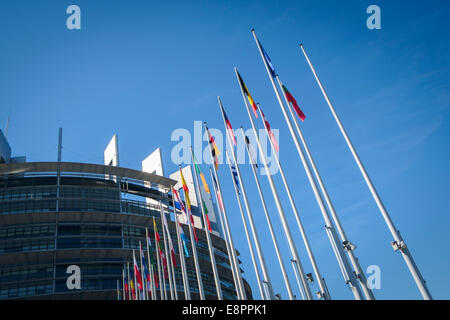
[142, 69]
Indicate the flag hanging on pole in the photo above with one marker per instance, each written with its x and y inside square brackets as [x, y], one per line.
[247, 94]
[253, 162]
[137, 273]
[161, 252]
[178, 203]
[235, 177]
[269, 63]
[127, 292]
[206, 214]
[270, 133]
[219, 197]
[155, 276]
[291, 99]
[169, 238]
[228, 125]
[184, 239]
[214, 150]
[146, 271]
[200, 173]
[186, 190]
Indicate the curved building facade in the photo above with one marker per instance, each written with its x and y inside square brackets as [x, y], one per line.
[58, 214]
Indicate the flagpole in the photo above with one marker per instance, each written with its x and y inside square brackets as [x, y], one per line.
[250, 246]
[348, 246]
[168, 256]
[240, 292]
[207, 233]
[169, 240]
[235, 264]
[150, 266]
[398, 244]
[123, 283]
[158, 261]
[249, 215]
[269, 222]
[286, 229]
[323, 292]
[142, 272]
[129, 279]
[187, 294]
[194, 253]
[353, 283]
[135, 282]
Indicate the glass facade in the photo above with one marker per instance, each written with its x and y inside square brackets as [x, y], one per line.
[90, 222]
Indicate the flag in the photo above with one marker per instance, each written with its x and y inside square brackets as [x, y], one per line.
[161, 251]
[137, 272]
[149, 242]
[291, 99]
[126, 288]
[235, 177]
[184, 239]
[270, 133]
[144, 264]
[219, 196]
[267, 59]
[178, 203]
[186, 190]
[206, 215]
[228, 125]
[247, 94]
[253, 162]
[214, 150]
[169, 239]
[200, 173]
[132, 289]
[188, 202]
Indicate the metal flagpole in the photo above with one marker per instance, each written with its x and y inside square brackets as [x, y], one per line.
[348, 246]
[169, 240]
[157, 252]
[235, 264]
[249, 214]
[294, 267]
[250, 246]
[323, 292]
[194, 253]
[123, 283]
[168, 256]
[129, 279]
[118, 290]
[135, 282]
[207, 233]
[144, 297]
[269, 222]
[286, 229]
[187, 294]
[228, 240]
[398, 244]
[353, 282]
[150, 266]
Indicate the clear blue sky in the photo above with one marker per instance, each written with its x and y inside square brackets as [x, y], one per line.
[142, 69]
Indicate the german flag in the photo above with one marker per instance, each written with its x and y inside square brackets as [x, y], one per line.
[247, 94]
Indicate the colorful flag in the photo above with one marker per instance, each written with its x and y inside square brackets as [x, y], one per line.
[269, 63]
[169, 239]
[253, 162]
[137, 273]
[200, 173]
[186, 190]
[178, 203]
[161, 251]
[228, 125]
[247, 94]
[126, 288]
[155, 276]
[206, 215]
[214, 150]
[235, 177]
[132, 289]
[219, 196]
[146, 272]
[291, 99]
[184, 239]
[271, 135]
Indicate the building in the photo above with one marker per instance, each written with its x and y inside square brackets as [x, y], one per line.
[54, 215]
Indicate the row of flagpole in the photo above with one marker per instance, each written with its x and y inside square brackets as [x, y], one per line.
[343, 249]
